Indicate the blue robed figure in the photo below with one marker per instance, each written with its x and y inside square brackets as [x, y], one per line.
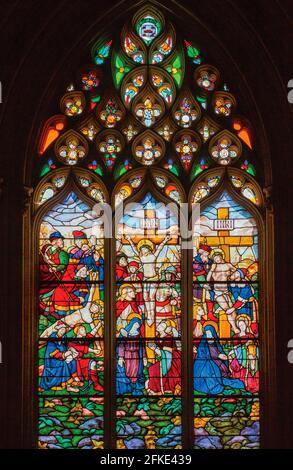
[56, 370]
[210, 369]
[129, 376]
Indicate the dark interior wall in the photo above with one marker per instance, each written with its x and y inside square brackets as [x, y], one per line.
[39, 42]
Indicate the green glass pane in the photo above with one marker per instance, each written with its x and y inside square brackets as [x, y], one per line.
[47, 167]
[175, 69]
[120, 69]
[192, 52]
[99, 171]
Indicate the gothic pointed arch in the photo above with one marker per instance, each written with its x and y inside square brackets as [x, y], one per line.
[140, 328]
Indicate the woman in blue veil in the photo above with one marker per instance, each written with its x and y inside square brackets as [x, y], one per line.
[211, 369]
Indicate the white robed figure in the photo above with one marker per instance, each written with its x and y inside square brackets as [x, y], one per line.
[148, 255]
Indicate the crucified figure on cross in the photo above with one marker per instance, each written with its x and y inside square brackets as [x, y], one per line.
[219, 273]
[148, 255]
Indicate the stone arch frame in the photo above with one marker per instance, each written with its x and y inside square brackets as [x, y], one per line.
[26, 181]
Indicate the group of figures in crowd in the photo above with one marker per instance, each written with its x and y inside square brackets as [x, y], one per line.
[148, 317]
[71, 299]
[225, 324]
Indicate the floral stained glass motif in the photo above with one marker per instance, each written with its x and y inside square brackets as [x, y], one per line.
[120, 70]
[90, 80]
[148, 150]
[90, 129]
[109, 148]
[225, 327]
[47, 167]
[163, 88]
[248, 167]
[95, 167]
[175, 70]
[130, 131]
[111, 115]
[122, 168]
[166, 130]
[148, 332]
[223, 103]
[72, 151]
[164, 49]
[186, 148]
[172, 166]
[186, 113]
[132, 88]
[73, 103]
[199, 167]
[148, 111]
[95, 99]
[71, 326]
[206, 77]
[207, 128]
[132, 49]
[225, 149]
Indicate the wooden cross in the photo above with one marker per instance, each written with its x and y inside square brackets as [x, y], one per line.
[224, 240]
[223, 225]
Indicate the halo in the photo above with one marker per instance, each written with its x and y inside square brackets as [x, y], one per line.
[145, 242]
[243, 317]
[124, 286]
[212, 323]
[216, 251]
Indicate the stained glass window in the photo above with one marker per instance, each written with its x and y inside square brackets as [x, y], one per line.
[148, 328]
[71, 326]
[225, 327]
[150, 122]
